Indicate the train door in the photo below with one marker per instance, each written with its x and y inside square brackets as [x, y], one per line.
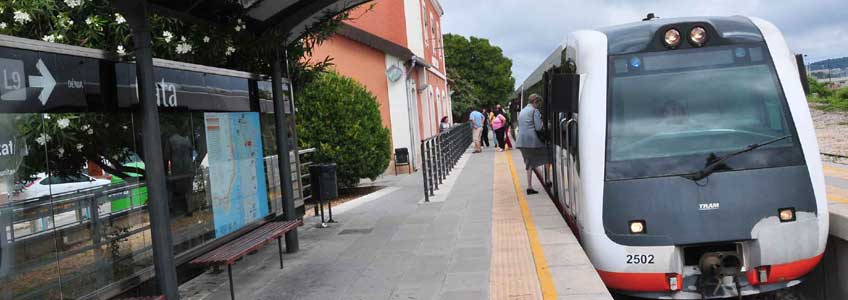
[562, 86]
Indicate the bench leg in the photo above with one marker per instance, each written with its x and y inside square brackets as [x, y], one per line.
[230, 274]
[280, 247]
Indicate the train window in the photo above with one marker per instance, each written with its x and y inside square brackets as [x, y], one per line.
[669, 114]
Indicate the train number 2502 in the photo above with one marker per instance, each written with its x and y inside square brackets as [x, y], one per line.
[637, 259]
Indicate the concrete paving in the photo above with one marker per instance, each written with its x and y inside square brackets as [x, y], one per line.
[836, 176]
[390, 248]
[391, 245]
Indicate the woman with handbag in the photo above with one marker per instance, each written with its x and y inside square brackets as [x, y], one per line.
[499, 126]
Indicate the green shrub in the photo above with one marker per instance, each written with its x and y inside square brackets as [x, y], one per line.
[818, 88]
[341, 119]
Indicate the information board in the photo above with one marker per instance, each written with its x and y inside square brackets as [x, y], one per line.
[236, 170]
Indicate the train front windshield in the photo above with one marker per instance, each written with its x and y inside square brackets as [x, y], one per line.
[673, 112]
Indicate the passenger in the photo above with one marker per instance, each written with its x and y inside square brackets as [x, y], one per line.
[491, 118]
[673, 114]
[532, 148]
[476, 120]
[485, 134]
[444, 124]
[507, 125]
[499, 126]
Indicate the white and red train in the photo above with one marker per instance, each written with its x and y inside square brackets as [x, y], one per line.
[685, 157]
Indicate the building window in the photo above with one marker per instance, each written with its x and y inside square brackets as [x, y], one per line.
[426, 24]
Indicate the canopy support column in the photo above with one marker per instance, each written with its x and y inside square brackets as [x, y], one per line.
[136, 13]
[282, 125]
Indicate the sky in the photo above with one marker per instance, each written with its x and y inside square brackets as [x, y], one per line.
[529, 30]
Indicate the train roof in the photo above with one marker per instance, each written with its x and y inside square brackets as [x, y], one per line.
[640, 36]
[637, 36]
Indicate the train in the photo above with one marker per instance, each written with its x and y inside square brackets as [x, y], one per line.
[684, 157]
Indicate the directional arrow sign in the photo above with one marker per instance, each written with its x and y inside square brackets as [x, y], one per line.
[46, 82]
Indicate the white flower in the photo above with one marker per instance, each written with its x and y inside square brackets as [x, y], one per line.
[182, 39]
[89, 20]
[52, 38]
[73, 3]
[63, 123]
[90, 131]
[3, 25]
[183, 48]
[61, 151]
[85, 127]
[120, 19]
[79, 147]
[121, 50]
[240, 27]
[206, 39]
[21, 17]
[42, 139]
[168, 36]
[70, 22]
[230, 50]
[46, 116]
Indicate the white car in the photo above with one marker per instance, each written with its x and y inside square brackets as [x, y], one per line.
[55, 185]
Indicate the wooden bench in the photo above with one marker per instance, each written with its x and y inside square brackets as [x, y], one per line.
[229, 253]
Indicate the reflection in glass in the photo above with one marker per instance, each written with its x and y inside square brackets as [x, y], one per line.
[184, 152]
[71, 205]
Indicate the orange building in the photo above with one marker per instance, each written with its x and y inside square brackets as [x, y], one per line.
[394, 48]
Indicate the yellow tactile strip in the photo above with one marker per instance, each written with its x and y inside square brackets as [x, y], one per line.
[834, 193]
[518, 268]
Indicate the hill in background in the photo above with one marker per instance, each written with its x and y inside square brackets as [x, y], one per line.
[833, 63]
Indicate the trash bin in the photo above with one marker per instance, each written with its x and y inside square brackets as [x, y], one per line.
[324, 183]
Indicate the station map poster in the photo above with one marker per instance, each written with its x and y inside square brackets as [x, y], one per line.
[236, 170]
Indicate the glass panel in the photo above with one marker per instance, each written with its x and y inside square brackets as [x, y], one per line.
[672, 116]
[98, 203]
[215, 173]
[272, 168]
[184, 154]
[28, 253]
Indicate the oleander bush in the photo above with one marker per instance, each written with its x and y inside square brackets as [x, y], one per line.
[341, 119]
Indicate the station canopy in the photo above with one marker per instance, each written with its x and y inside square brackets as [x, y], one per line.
[291, 16]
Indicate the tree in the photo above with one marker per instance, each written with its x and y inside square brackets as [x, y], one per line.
[70, 140]
[482, 73]
[96, 24]
[341, 119]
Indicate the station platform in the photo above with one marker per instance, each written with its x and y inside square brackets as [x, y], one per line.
[480, 237]
[836, 177]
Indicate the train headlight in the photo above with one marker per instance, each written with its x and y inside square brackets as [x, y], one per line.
[763, 273]
[672, 38]
[698, 36]
[637, 227]
[786, 214]
[673, 281]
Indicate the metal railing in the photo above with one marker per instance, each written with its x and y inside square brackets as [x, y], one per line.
[834, 158]
[300, 178]
[304, 159]
[440, 153]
